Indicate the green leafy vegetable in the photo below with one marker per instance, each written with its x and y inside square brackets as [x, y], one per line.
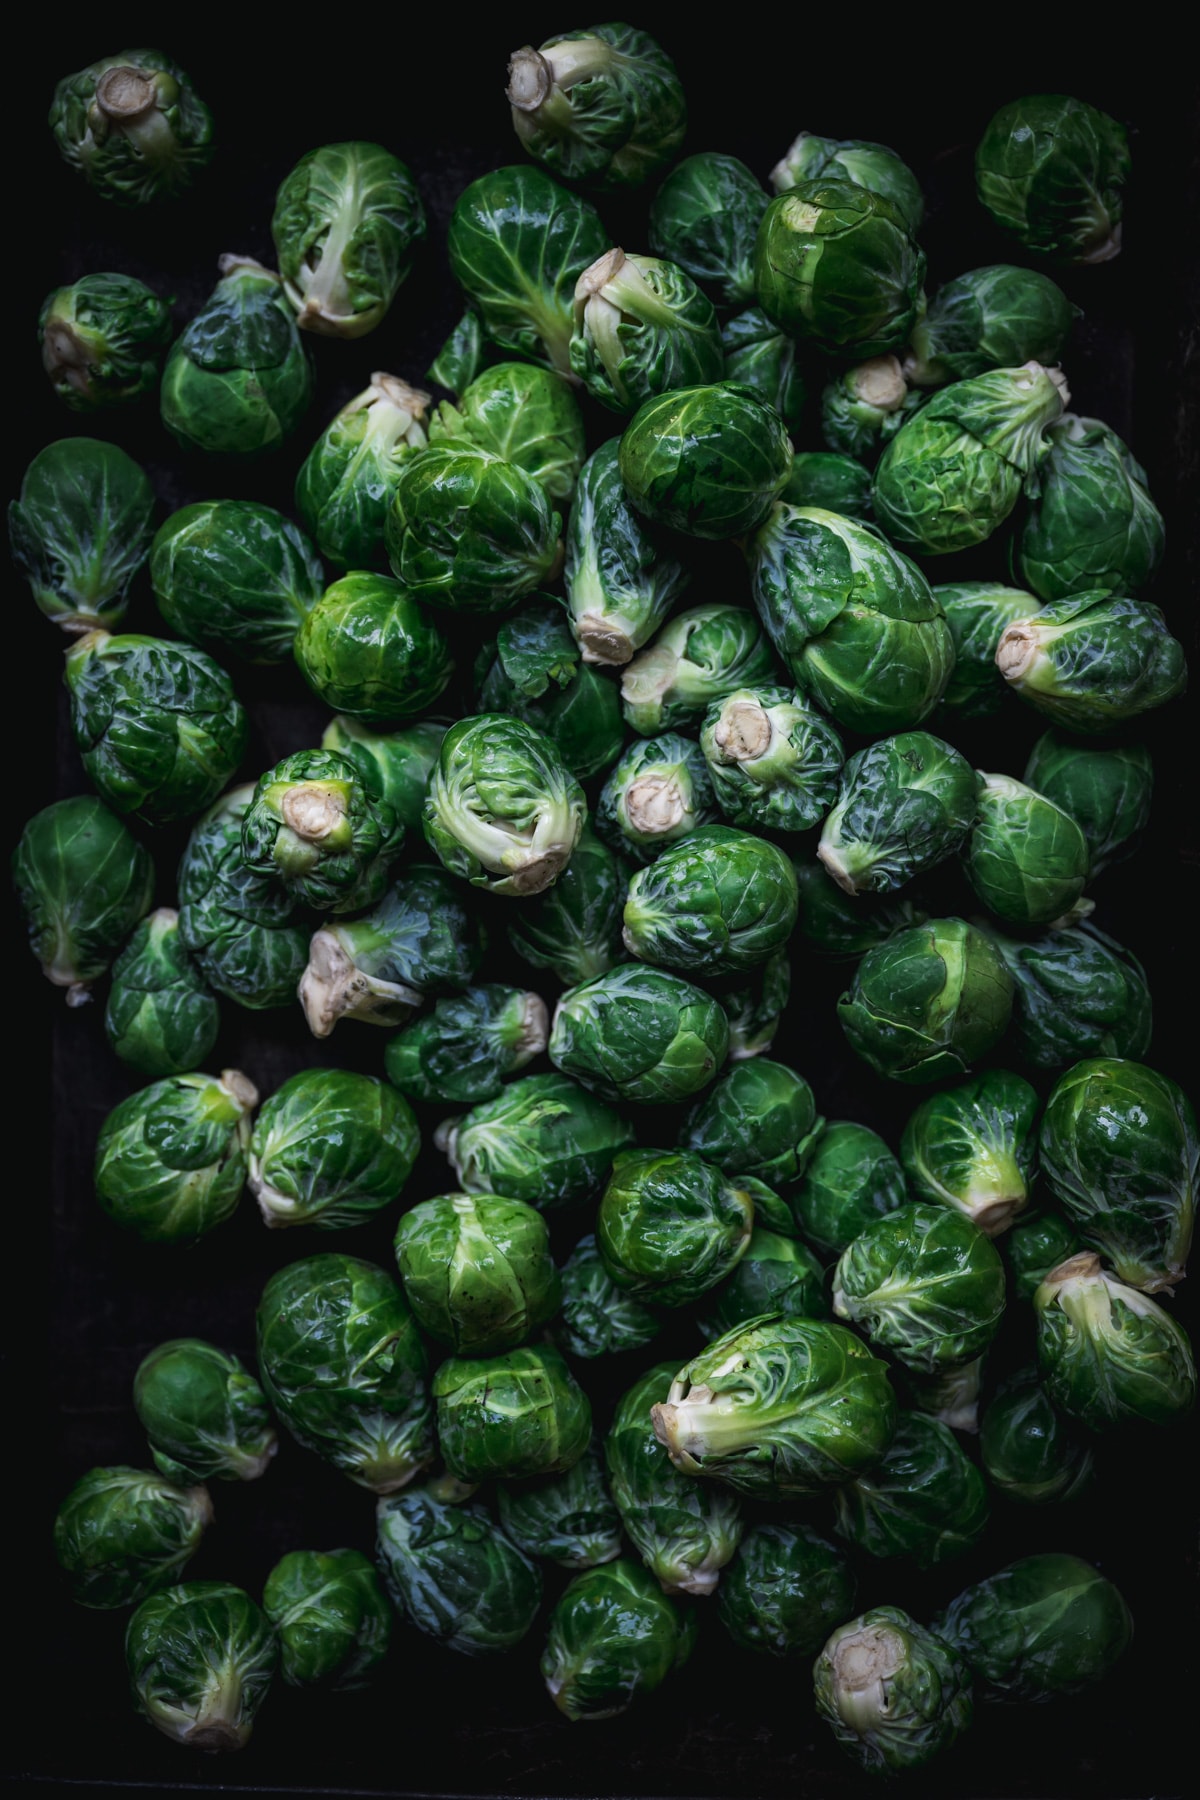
[670, 1226]
[613, 1635]
[1051, 170]
[568, 1519]
[368, 650]
[894, 1694]
[784, 1590]
[1108, 1354]
[707, 461]
[851, 1179]
[639, 1034]
[235, 577]
[82, 882]
[598, 1317]
[121, 1534]
[906, 804]
[103, 340]
[602, 106]
[621, 579]
[203, 1413]
[477, 1271]
[928, 1002]
[705, 217]
[515, 1414]
[1044, 1626]
[171, 1159]
[973, 1148]
[543, 1139]
[161, 1018]
[330, 1148]
[346, 482]
[133, 126]
[331, 1616]
[1092, 661]
[81, 531]
[201, 1658]
[924, 1283]
[925, 1499]
[502, 808]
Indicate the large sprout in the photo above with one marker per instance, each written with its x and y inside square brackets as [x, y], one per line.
[313, 829]
[613, 1635]
[83, 881]
[345, 485]
[928, 1002]
[719, 902]
[161, 1018]
[133, 126]
[670, 1226]
[978, 613]
[784, 1591]
[707, 461]
[1106, 791]
[873, 166]
[642, 327]
[700, 656]
[201, 1658]
[102, 340]
[602, 106]
[639, 1034]
[773, 760]
[597, 1317]
[973, 1148]
[1030, 1452]
[621, 580]
[330, 1148]
[924, 1283]
[1091, 523]
[1108, 1354]
[235, 577]
[894, 1694]
[1076, 993]
[239, 926]
[171, 1159]
[925, 1499]
[906, 803]
[369, 651]
[777, 1274]
[533, 673]
[543, 1139]
[991, 318]
[759, 1119]
[502, 808]
[574, 928]
[525, 414]
[1043, 1627]
[81, 530]
[454, 1574]
[1092, 661]
[121, 1534]
[461, 1051]
[658, 794]
[568, 1519]
[203, 1413]
[1051, 170]
[705, 217]
[469, 530]
[851, 1179]
[504, 1417]
[477, 1271]
[331, 1617]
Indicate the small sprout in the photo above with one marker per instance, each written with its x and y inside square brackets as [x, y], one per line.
[171, 1159]
[331, 1616]
[121, 1534]
[204, 1414]
[454, 1574]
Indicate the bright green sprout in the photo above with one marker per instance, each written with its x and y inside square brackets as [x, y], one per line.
[707, 461]
[851, 1179]
[121, 1534]
[777, 1274]
[516, 1414]
[928, 1002]
[1108, 1354]
[867, 165]
[621, 580]
[543, 1139]
[1090, 662]
[613, 1635]
[532, 672]
[642, 327]
[759, 1119]
[670, 1226]
[973, 1148]
[525, 414]
[719, 902]
[171, 1159]
[991, 318]
[1026, 859]
[460, 1053]
[705, 217]
[978, 613]
[477, 1271]
[1092, 523]
[161, 1018]
[313, 829]
[1050, 169]
[924, 1283]
[395, 766]
[700, 656]
[893, 1693]
[1107, 792]
[502, 808]
[658, 794]
[1076, 993]
[330, 1148]
[203, 1412]
[346, 482]
[368, 650]
[906, 804]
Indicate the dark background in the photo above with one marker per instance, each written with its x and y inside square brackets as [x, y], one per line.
[84, 1305]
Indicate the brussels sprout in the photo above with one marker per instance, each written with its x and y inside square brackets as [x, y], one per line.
[1026, 859]
[157, 725]
[160, 1018]
[1029, 1451]
[574, 928]
[779, 1409]
[507, 1416]
[395, 766]
[121, 1534]
[1076, 993]
[851, 1179]
[203, 1412]
[928, 1002]
[613, 1635]
[517, 243]
[906, 803]
[171, 1159]
[502, 808]
[784, 1590]
[527, 415]
[348, 220]
[102, 340]
[598, 1317]
[972, 1148]
[771, 1211]
[760, 356]
[992, 318]
[367, 649]
[238, 380]
[344, 1367]
[705, 217]
[924, 1283]
[978, 613]
[330, 1148]
[685, 1531]
[670, 1226]
[568, 1519]
[754, 1005]
[1035, 1246]
[707, 461]
[952, 1396]
[639, 1034]
[894, 1694]
[776, 1275]
[717, 903]
[83, 882]
[925, 1499]
[133, 126]
[953, 472]
[658, 793]
[1092, 523]
[237, 925]
[836, 266]
[454, 1574]
[330, 1615]
[81, 530]
[759, 1119]
[543, 1139]
[602, 106]
[1091, 661]
[313, 828]
[855, 622]
[700, 656]
[1050, 169]
[461, 1052]
[839, 925]
[867, 165]
[1106, 792]
[1043, 1626]
[621, 582]
[832, 482]
[235, 577]
[346, 482]
[532, 672]
[1108, 1354]
[201, 1658]
[642, 327]
[863, 409]
[477, 1271]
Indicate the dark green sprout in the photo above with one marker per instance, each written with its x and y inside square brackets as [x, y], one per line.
[613, 1635]
[758, 355]
[313, 829]
[840, 925]
[455, 1575]
[777, 1274]
[597, 1317]
[973, 1148]
[121, 1534]
[718, 903]
[330, 1148]
[670, 1226]
[171, 1158]
[203, 1413]
[1106, 791]
[602, 106]
[574, 927]
[568, 1519]
[894, 1694]
[706, 461]
[872, 166]
[784, 1591]
[1030, 1452]
[525, 414]
[1050, 169]
[621, 578]
[759, 1119]
[831, 481]
[133, 126]
[235, 577]
[102, 340]
[543, 1139]
[978, 613]
[1076, 993]
[345, 485]
[1042, 1627]
[754, 1004]
[836, 266]
[925, 1500]
[477, 1271]
[504, 1417]
[928, 1002]
[851, 1180]
[1091, 661]
[1092, 523]
[395, 766]
[705, 217]
[991, 318]
[640, 1034]
[368, 650]
[83, 882]
[331, 1616]
[925, 1284]
[1108, 1354]
[161, 1017]
[201, 1658]
[862, 409]
[534, 671]
[906, 803]
[700, 656]
[81, 531]
[658, 793]
[460, 1053]
[1035, 1246]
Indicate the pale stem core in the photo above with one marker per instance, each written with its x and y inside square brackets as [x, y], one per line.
[1017, 649]
[312, 812]
[743, 731]
[828, 854]
[228, 264]
[332, 986]
[863, 1665]
[408, 399]
[597, 274]
[241, 1087]
[649, 676]
[529, 79]
[65, 356]
[603, 642]
[126, 93]
[655, 804]
[535, 1028]
[879, 382]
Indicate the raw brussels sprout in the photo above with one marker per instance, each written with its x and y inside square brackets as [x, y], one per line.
[973, 1148]
[346, 482]
[717, 903]
[855, 622]
[81, 530]
[642, 327]
[203, 1412]
[863, 409]
[330, 1148]
[507, 1416]
[368, 650]
[344, 1367]
[1121, 1155]
[1092, 523]
[1026, 859]
[831, 481]
[314, 830]
[839, 925]
[685, 1531]
[1075, 993]
[777, 1274]
[954, 471]
[1050, 169]
[543, 1139]
[621, 581]
[707, 461]
[1108, 1354]
[568, 1519]
[574, 928]
[613, 1635]
[906, 803]
[754, 1004]
[330, 1615]
[395, 766]
[773, 760]
[238, 380]
[924, 1283]
[1091, 661]
[102, 340]
[235, 577]
[784, 1590]
[599, 1318]
[133, 126]
[1029, 1451]
[699, 657]
[1106, 792]
[1043, 1626]
[759, 1119]
[670, 1226]
[348, 220]
[83, 882]
[160, 1018]
[517, 244]
[760, 356]
[867, 165]
[454, 1574]
[157, 725]
[772, 1212]
[928, 1002]
[952, 1396]
[925, 1499]
[658, 793]
[502, 808]
[602, 106]
[894, 1694]
[532, 672]
[836, 267]
[978, 613]
[527, 415]
[705, 217]
[779, 1409]
[639, 1034]
[201, 1658]
[992, 318]
[121, 1534]
[238, 925]
[477, 1271]
[1035, 1246]
[171, 1159]
[461, 1052]
[850, 1180]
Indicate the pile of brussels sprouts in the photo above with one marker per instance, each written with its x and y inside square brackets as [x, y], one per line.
[665, 800]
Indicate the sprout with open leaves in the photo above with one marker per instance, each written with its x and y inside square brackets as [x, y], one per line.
[525, 414]
[1042, 1627]
[760, 356]
[454, 1574]
[906, 804]
[973, 1148]
[574, 927]
[543, 1139]
[978, 613]
[991, 318]
[331, 1616]
[613, 1635]
[707, 461]
[850, 1180]
[621, 580]
[313, 829]
[1108, 1354]
[330, 1148]
[717, 903]
[240, 927]
[925, 1499]
[345, 485]
[1076, 993]
[122, 1533]
[924, 1283]
[1106, 791]
[658, 794]
[133, 126]
[928, 1002]
[171, 1159]
[1092, 661]
[1030, 1451]
[477, 1271]
[642, 327]
[783, 1590]
[103, 340]
[203, 1413]
[873, 166]
[568, 1519]
[1092, 523]
[602, 106]
[502, 808]
[705, 217]
[533, 672]
[81, 531]
[699, 657]
[670, 1226]
[369, 650]
[83, 881]
[639, 1034]
[862, 409]
[773, 760]
[894, 1694]
[201, 1658]
[511, 1415]
[1050, 169]
[235, 577]
[461, 1052]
